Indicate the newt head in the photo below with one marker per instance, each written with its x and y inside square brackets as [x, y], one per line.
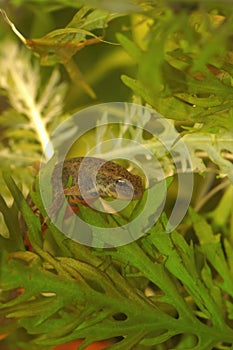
[114, 181]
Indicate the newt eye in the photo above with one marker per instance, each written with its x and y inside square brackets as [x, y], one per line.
[120, 182]
[123, 182]
[94, 194]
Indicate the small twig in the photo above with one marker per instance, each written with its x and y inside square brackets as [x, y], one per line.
[13, 27]
[210, 194]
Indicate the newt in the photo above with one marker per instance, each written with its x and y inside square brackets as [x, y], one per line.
[111, 181]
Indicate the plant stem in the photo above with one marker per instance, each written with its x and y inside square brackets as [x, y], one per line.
[34, 114]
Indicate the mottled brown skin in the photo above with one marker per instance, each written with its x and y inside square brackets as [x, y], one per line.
[92, 178]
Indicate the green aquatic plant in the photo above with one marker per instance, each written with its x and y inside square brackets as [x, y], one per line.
[165, 290]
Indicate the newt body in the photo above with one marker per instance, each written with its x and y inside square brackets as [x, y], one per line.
[111, 181]
[92, 178]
